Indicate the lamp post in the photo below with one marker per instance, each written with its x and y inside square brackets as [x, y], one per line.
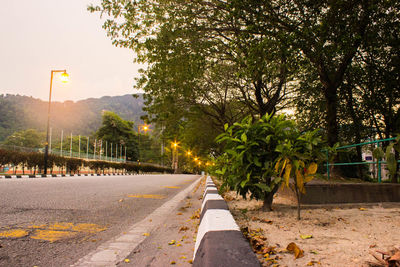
[144, 128]
[64, 79]
[174, 146]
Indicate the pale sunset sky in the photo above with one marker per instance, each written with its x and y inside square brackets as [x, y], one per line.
[38, 36]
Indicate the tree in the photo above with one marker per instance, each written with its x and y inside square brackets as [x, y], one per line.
[298, 159]
[203, 59]
[26, 138]
[260, 154]
[118, 131]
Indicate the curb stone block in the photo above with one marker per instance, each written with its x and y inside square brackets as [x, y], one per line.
[219, 242]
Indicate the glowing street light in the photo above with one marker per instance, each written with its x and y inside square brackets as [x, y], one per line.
[64, 79]
[174, 146]
[144, 128]
[188, 153]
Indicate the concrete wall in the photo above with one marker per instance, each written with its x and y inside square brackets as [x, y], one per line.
[347, 193]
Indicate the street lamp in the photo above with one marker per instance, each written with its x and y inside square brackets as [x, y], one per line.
[64, 79]
[174, 146]
[144, 128]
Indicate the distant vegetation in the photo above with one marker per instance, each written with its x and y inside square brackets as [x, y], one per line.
[81, 117]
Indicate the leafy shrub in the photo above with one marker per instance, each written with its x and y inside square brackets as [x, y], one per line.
[254, 152]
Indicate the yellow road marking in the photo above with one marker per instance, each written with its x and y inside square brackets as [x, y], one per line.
[51, 235]
[88, 227]
[15, 233]
[172, 186]
[148, 196]
[54, 232]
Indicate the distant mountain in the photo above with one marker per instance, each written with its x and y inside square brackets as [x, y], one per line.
[82, 117]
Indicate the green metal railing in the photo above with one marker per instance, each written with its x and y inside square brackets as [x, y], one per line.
[377, 162]
[88, 156]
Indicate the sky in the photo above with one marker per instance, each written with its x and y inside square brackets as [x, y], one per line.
[38, 36]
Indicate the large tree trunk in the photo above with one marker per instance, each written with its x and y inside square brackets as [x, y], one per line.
[269, 197]
[331, 114]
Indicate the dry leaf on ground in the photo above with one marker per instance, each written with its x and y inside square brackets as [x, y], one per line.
[298, 253]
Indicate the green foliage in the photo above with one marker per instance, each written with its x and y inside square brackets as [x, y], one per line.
[251, 154]
[298, 159]
[390, 155]
[26, 138]
[260, 154]
[118, 131]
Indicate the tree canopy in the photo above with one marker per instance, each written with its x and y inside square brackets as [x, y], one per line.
[26, 138]
[327, 61]
[115, 130]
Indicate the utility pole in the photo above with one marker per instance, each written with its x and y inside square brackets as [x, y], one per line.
[70, 148]
[87, 148]
[62, 133]
[79, 149]
[94, 150]
[51, 129]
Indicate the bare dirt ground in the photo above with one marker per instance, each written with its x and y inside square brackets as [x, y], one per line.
[336, 235]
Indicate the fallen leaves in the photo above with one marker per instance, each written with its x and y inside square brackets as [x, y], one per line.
[298, 253]
[256, 219]
[306, 236]
[172, 242]
[196, 215]
[127, 260]
[390, 258]
[183, 228]
[146, 234]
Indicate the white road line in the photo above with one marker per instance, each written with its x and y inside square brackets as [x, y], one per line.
[118, 248]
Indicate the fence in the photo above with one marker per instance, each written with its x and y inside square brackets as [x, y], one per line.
[67, 153]
[377, 162]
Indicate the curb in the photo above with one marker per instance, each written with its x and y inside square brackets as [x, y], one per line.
[62, 175]
[219, 241]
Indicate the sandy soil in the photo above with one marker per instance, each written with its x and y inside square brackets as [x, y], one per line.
[342, 235]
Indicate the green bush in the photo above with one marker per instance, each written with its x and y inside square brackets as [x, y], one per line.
[252, 151]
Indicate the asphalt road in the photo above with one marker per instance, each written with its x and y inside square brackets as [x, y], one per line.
[56, 221]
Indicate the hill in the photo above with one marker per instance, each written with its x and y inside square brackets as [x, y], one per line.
[82, 117]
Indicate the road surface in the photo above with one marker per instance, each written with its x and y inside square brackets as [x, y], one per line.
[57, 221]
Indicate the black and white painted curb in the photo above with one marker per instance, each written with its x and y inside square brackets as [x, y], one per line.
[219, 240]
[62, 175]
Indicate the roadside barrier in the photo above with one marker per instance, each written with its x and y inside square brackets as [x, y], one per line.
[219, 240]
